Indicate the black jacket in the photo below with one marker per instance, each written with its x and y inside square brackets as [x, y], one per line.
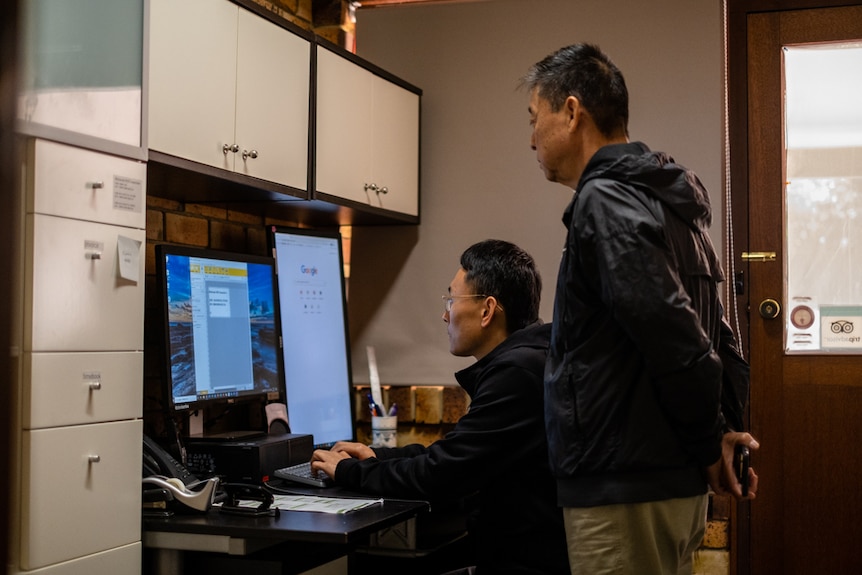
[498, 451]
[633, 379]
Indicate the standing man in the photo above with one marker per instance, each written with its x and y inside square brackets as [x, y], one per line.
[498, 448]
[633, 382]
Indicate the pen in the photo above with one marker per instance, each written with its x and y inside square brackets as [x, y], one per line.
[393, 409]
[372, 406]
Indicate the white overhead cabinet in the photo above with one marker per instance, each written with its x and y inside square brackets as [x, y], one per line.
[229, 89]
[367, 136]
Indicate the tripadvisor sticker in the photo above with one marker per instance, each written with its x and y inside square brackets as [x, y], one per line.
[841, 328]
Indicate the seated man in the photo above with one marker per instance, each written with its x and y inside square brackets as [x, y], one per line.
[498, 449]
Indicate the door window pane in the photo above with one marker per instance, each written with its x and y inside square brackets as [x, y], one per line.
[823, 198]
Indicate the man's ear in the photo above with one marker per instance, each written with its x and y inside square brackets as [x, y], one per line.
[489, 311]
[573, 109]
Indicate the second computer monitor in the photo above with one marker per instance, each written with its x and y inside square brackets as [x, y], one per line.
[316, 350]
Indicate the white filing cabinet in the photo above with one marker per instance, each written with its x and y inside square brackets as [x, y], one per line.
[80, 398]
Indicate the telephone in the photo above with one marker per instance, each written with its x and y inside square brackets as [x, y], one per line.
[166, 480]
[157, 461]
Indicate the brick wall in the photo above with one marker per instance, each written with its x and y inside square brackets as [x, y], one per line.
[329, 19]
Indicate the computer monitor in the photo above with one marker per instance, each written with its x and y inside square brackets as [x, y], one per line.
[316, 349]
[221, 329]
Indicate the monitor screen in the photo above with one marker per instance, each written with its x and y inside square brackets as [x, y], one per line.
[316, 348]
[222, 336]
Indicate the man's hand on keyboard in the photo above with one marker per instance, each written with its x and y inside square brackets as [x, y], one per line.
[357, 450]
[326, 460]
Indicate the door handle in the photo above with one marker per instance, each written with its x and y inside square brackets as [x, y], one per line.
[769, 308]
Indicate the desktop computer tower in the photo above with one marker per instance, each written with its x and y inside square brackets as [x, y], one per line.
[247, 461]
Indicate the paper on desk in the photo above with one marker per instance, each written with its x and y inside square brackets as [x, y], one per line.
[316, 503]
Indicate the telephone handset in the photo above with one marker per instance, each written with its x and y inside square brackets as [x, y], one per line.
[171, 481]
[157, 461]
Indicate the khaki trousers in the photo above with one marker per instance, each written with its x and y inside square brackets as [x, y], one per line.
[654, 538]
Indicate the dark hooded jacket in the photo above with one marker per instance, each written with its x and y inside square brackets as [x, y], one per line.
[633, 380]
[498, 452]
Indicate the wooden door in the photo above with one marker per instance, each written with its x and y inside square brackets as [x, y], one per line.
[806, 406]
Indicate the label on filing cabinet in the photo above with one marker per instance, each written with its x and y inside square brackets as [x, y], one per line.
[128, 194]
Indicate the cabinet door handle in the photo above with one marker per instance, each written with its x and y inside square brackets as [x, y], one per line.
[246, 154]
[96, 185]
[376, 189]
[230, 148]
[94, 458]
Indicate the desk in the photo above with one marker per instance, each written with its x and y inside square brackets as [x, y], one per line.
[213, 532]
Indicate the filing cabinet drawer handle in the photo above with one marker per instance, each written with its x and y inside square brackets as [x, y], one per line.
[96, 185]
[95, 385]
[94, 255]
[94, 458]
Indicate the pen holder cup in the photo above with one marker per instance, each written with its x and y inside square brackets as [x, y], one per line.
[384, 431]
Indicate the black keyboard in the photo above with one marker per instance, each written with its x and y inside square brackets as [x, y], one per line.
[303, 473]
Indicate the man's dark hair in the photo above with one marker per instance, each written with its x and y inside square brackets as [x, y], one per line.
[505, 271]
[585, 72]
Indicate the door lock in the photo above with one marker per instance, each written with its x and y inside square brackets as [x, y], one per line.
[769, 308]
[758, 256]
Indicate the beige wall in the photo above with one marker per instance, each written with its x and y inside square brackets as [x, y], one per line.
[479, 177]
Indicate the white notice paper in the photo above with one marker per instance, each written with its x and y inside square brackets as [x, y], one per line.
[129, 252]
[128, 194]
[337, 505]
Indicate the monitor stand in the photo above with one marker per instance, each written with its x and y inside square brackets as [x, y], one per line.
[196, 431]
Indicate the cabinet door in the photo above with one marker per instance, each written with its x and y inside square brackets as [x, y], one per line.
[193, 79]
[82, 67]
[344, 127]
[272, 100]
[76, 298]
[81, 491]
[396, 147]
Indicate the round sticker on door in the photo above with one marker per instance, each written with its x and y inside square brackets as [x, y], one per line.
[802, 317]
